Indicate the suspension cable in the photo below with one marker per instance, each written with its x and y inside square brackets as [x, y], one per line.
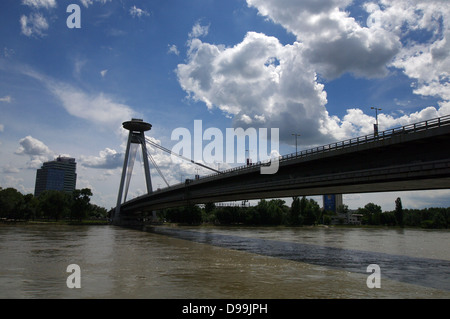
[180, 156]
[157, 168]
[154, 162]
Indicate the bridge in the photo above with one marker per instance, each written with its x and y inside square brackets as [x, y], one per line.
[411, 157]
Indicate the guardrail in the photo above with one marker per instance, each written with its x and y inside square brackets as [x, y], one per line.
[387, 134]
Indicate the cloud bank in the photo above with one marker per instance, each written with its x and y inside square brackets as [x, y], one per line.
[260, 82]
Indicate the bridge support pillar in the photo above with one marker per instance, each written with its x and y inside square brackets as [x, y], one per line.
[137, 127]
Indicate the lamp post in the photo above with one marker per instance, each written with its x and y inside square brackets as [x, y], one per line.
[375, 126]
[249, 161]
[295, 134]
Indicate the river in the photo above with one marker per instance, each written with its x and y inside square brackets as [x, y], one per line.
[223, 262]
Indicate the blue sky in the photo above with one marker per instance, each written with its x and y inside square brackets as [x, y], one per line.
[308, 67]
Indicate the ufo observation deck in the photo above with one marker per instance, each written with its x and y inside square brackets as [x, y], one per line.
[137, 125]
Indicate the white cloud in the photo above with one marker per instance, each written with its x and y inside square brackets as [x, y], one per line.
[426, 59]
[333, 40]
[8, 52]
[10, 169]
[259, 81]
[173, 49]
[6, 99]
[199, 31]
[34, 24]
[87, 3]
[107, 159]
[98, 108]
[32, 146]
[15, 182]
[36, 150]
[78, 67]
[40, 3]
[392, 37]
[137, 12]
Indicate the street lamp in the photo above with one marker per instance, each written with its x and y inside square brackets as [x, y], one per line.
[295, 134]
[375, 126]
[249, 160]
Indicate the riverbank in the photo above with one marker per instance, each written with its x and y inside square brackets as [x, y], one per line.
[337, 226]
[55, 222]
[95, 222]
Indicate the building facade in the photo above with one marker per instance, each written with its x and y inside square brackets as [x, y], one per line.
[332, 202]
[59, 175]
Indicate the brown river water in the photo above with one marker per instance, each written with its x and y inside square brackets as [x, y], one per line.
[222, 262]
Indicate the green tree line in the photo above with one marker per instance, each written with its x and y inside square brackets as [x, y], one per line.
[433, 217]
[267, 212]
[50, 205]
[304, 211]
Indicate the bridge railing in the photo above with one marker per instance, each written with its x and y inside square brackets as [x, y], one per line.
[387, 134]
[361, 140]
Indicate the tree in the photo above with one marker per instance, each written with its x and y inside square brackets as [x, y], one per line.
[371, 214]
[294, 216]
[372, 208]
[80, 203]
[10, 203]
[30, 207]
[192, 214]
[54, 204]
[275, 210]
[311, 211]
[97, 212]
[262, 211]
[399, 212]
[209, 207]
[251, 216]
[208, 214]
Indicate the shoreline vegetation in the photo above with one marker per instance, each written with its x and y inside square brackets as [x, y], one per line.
[75, 209]
[50, 206]
[87, 222]
[305, 212]
[107, 222]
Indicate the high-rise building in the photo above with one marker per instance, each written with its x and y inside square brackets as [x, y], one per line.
[332, 202]
[59, 175]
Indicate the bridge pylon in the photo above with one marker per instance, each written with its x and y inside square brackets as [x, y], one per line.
[136, 127]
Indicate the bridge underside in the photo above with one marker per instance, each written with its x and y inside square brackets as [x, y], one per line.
[402, 163]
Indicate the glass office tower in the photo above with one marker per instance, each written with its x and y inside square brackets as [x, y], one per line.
[59, 175]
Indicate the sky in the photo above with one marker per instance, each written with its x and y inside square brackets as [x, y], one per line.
[307, 67]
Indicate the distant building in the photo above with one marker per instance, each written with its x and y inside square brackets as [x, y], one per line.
[332, 202]
[59, 175]
[348, 218]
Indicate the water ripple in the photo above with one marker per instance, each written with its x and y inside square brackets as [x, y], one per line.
[433, 273]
